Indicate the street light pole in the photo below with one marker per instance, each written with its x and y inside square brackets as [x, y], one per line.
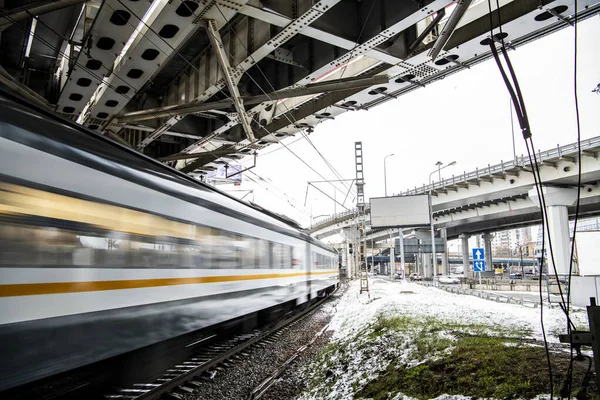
[512, 128]
[433, 253]
[385, 172]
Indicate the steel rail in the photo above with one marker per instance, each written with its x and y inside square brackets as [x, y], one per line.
[211, 358]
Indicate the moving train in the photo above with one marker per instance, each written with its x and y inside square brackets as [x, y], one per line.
[104, 250]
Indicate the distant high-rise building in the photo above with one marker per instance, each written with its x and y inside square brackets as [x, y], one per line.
[507, 243]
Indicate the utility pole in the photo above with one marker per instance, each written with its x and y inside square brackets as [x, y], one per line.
[360, 207]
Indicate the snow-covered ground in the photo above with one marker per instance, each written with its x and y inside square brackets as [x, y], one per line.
[358, 357]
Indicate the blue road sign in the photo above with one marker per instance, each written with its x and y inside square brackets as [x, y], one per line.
[478, 259]
[478, 266]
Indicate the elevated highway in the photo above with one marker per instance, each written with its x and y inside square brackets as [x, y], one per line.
[496, 197]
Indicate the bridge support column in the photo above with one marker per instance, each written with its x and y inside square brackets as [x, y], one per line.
[392, 261]
[402, 264]
[487, 246]
[444, 237]
[465, 254]
[427, 267]
[557, 200]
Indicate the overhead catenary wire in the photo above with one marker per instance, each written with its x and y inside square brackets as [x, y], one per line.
[277, 139]
[272, 184]
[258, 182]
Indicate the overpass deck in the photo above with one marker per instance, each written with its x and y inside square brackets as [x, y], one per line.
[496, 196]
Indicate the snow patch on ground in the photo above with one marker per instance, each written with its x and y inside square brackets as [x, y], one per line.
[356, 356]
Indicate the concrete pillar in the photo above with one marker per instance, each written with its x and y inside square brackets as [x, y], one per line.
[557, 200]
[487, 246]
[465, 254]
[402, 263]
[392, 261]
[445, 265]
[427, 270]
[417, 264]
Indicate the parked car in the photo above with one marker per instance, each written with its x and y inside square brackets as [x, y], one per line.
[447, 280]
[415, 277]
[516, 275]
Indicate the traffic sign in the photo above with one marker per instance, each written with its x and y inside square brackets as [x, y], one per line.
[478, 259]
[479, 266]
[478, 253]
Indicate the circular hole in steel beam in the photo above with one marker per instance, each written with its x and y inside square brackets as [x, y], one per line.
[497, 36]
[94, 65]
[120, 17]
[150, 54]
[135, 73]
[168, 31]
[186, 8]
[546, 15]
[446, 60]
[105, 43]
[84, 82]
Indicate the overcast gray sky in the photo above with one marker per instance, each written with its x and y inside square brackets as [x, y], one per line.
[463, 118]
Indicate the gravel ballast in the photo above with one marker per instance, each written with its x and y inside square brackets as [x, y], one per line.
[239, 378]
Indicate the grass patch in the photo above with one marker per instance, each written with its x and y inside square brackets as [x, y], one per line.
[480, 367]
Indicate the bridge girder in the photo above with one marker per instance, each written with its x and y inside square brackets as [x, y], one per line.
[113, 64]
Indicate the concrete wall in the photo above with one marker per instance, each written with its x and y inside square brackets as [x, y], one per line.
[584, 287]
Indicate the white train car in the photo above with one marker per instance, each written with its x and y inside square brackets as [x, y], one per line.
[103, 250]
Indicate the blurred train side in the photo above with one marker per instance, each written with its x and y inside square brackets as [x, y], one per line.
[103, 251]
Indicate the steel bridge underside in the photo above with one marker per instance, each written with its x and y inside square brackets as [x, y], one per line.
[203, 83]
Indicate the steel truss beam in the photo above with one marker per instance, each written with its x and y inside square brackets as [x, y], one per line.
[317, 88]
[294, 115]
[294, 27]
[39, 8]
[232, 76]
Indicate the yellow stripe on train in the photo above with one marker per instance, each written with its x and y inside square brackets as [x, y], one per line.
[35, 289]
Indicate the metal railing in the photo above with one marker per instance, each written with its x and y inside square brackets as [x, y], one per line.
[557, 153]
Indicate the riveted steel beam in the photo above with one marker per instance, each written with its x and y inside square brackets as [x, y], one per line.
[38, 8]
[189, 108]
[290, 29]
[232, 77]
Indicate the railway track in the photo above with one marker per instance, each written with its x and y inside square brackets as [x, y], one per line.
[183, 379]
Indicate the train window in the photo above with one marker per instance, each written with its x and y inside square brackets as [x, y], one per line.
[285, 256]
[263, 252]
[296, 257]
[276, 251]
[83, 247]
[247, 248]
[225, 250]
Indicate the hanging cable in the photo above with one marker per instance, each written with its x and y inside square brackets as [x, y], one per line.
[521, 113]
[576, 98]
